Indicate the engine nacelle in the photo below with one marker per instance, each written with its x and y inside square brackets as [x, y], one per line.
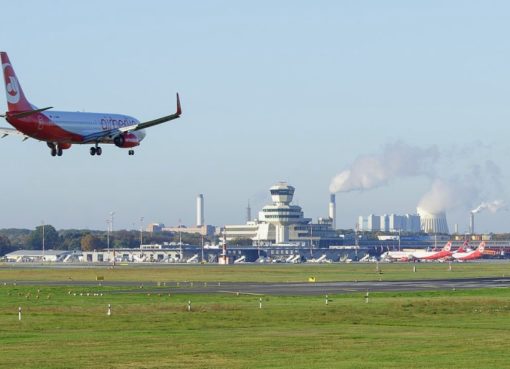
[126, 140]
[65, 146]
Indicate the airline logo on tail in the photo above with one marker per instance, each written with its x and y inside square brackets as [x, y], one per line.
[11, 84]
[447, 247]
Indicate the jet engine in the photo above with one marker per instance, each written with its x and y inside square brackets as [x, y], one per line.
[126, 140]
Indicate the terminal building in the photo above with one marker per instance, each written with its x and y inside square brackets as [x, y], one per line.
[282, 223]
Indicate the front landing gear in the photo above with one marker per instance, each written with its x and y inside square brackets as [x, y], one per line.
[131, 152]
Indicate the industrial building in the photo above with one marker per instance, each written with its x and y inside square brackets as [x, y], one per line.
[201, 228]
[282, 223]
[433, 222]
[390, 223]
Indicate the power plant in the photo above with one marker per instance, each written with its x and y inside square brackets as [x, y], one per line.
[433, 222]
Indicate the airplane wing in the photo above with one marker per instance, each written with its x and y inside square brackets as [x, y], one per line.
[11, 131]
[94, 137]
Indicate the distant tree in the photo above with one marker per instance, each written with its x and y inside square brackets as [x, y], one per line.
[90, 242]
[51, 238]
[5, 245]
[124, 238]
[242, 241]
[71, 239]
[18, 237]
[156, 237]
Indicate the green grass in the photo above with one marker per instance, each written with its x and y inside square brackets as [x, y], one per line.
[259, 273]
[442, 329]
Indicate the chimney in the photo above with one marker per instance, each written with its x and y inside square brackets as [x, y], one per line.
[332, 210]
[200, 210]
[248, 212]
[472, 223]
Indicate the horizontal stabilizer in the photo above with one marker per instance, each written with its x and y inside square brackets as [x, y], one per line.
[11, 131]
[23, 114]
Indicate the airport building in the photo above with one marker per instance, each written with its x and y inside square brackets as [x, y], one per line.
[201, 228]
[282, 223]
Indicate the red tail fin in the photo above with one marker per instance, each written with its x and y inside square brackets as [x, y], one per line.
[448, 246]
[481, 247]
[16, 100]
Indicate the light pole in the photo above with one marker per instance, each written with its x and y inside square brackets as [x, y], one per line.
[141, 231]
[180, 242]
[112, 213]
[43, 239]
[202, 249]
[108, 237]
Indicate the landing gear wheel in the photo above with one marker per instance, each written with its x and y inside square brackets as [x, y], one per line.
[53, 151]
[99, 151]
[59, 151]
[131, 152]
[92, 151]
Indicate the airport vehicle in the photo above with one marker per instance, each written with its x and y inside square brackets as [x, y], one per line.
[470, 255]
[60, 129]
[434, 255]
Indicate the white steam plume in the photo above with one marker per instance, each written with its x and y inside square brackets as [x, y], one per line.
[465, 190]
[493, 206]
[396, 160]
[446, 194]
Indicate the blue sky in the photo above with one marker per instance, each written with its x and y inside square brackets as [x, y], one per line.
[287, 90]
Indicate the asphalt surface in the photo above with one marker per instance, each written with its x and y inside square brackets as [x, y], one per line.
[283, 288]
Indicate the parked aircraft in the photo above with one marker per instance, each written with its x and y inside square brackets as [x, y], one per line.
[397, 256]
[60, 129]
[434, 255]
[470, 255]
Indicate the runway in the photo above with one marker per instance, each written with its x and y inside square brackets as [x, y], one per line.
[283, 288]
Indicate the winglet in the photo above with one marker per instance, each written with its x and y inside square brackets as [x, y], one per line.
[179, 110]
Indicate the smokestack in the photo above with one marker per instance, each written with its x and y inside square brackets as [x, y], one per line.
[200, 210]
[456, 228]
[472, 223]
[248, 213]
[332, 210]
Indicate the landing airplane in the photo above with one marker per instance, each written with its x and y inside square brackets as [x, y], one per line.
[434, 255]
[471, 255]
[60, 129]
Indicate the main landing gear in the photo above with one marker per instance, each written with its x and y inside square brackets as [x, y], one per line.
[96, 150]
[131, 152]
[55, 150]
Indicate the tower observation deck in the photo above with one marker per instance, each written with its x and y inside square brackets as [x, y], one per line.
[281, 213]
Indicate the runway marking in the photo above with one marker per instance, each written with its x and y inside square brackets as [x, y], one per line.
[241, 293]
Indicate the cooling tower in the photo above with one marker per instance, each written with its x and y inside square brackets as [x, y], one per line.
[433, 222]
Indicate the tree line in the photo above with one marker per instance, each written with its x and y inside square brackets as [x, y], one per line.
[83, 239]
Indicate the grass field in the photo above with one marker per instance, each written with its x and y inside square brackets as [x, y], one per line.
[448, 329]
[259, 273]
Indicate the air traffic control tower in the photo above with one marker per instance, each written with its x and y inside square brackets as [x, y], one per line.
[281, 213]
